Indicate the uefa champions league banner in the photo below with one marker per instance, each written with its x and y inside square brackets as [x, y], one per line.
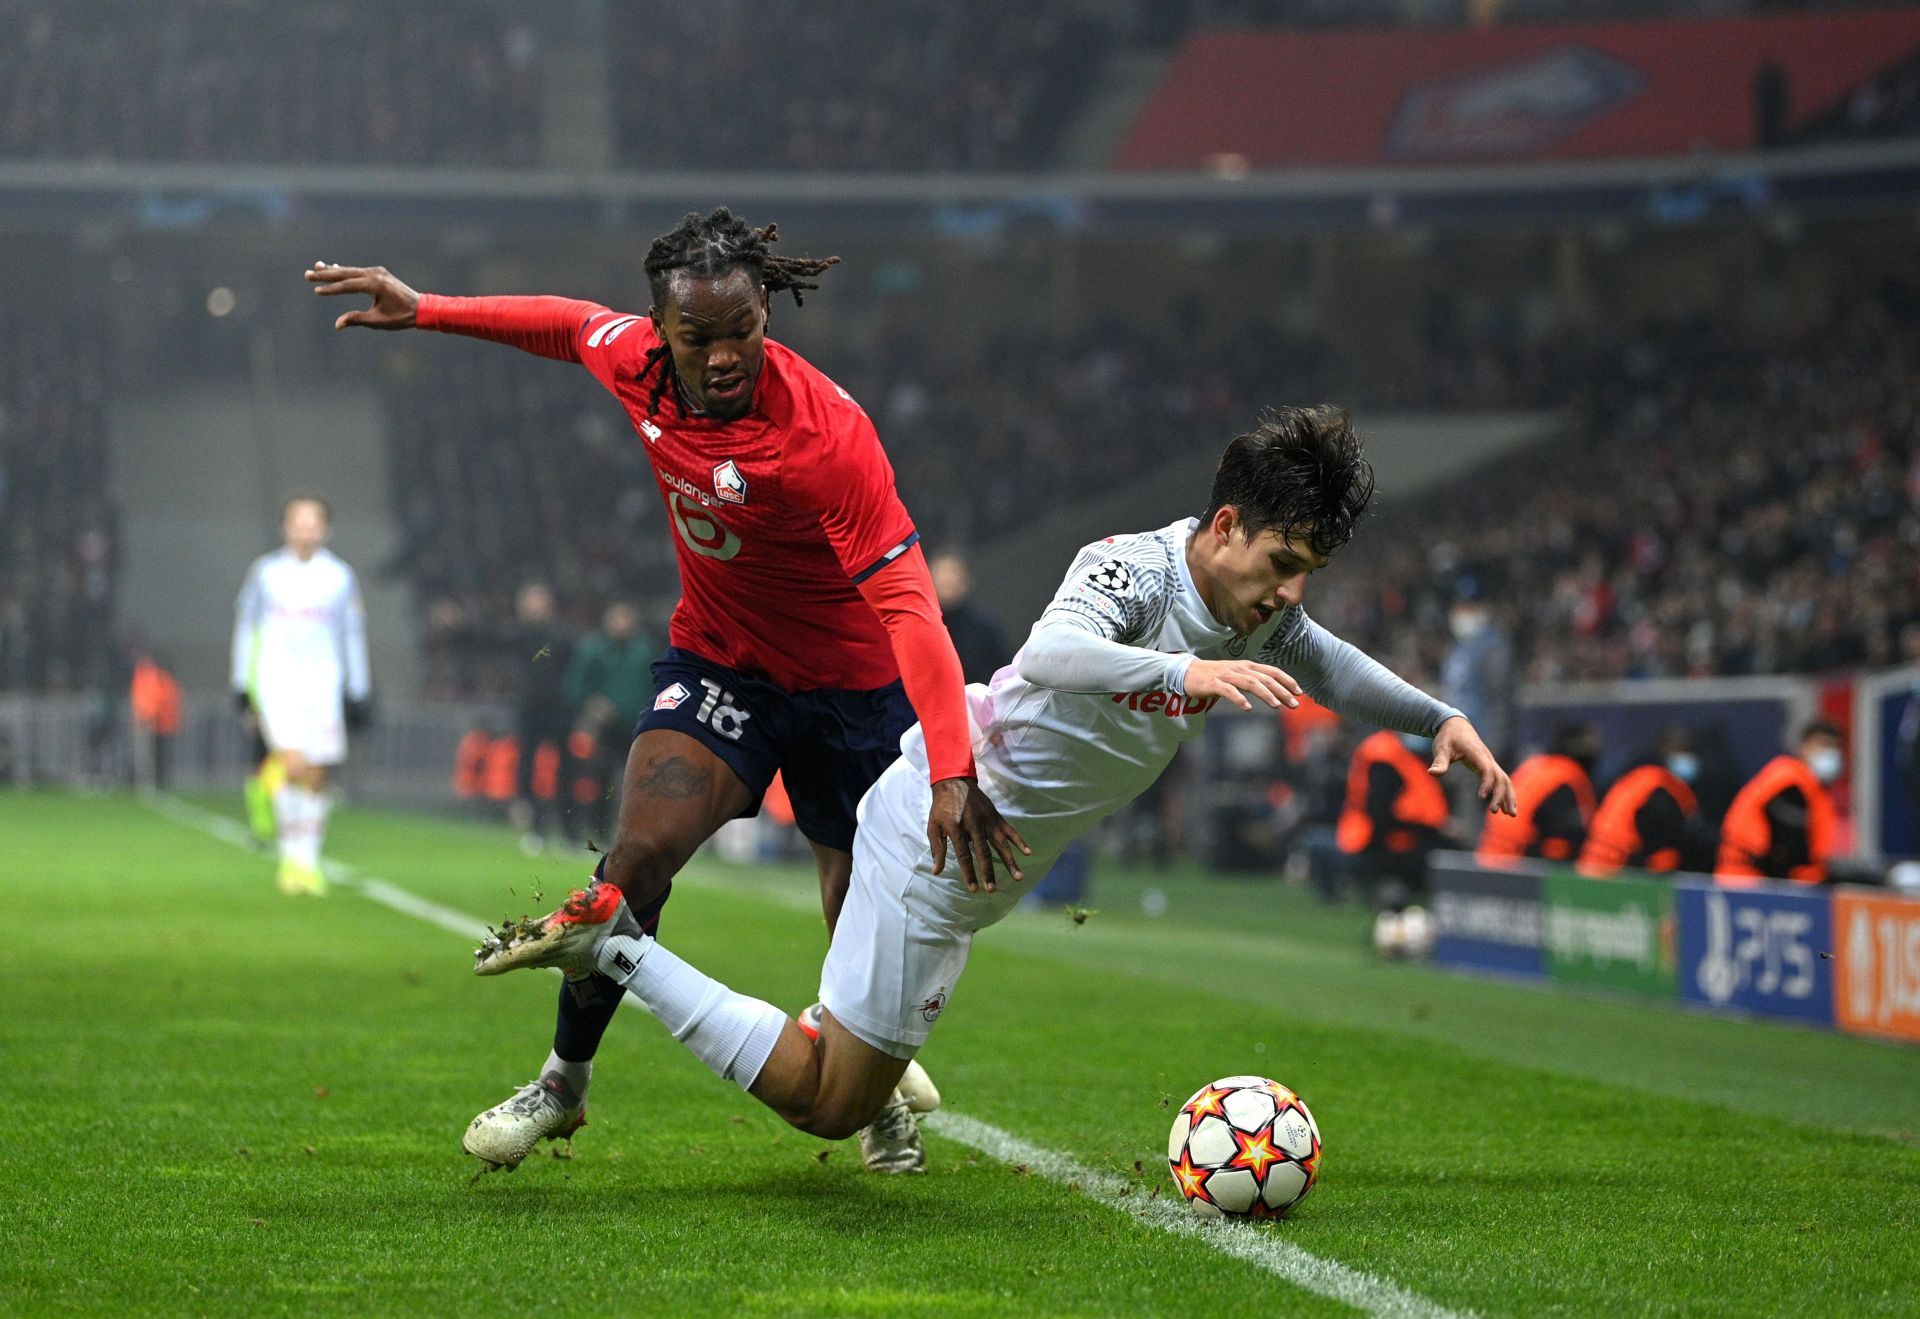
[1486, 920]
[1765, 950]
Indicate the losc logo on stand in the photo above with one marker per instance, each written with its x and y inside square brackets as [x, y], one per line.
[1877, 963]
[1756, 950]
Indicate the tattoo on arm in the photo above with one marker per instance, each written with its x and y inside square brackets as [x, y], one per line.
[672, 778]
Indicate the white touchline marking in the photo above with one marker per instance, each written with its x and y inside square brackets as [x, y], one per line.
[1259, 1247]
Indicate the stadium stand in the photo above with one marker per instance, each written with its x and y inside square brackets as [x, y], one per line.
[59, 544]
[1725, 508]
[1793, 550]
[230, 81]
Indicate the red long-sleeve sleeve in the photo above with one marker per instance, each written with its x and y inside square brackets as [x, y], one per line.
[902, 594]
[547, 326]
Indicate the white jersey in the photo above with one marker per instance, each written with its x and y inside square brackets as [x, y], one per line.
[299, 628]
[1056, 762]
[1057, 756]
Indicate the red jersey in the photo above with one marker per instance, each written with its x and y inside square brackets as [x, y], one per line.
[777, 515]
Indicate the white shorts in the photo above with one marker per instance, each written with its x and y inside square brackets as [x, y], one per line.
[307, 723]
[904, 933]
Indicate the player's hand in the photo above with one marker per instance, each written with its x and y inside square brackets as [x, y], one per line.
[1457, 741]
[1235, 680]
[963, 816]
[358, 712]
[394, 304]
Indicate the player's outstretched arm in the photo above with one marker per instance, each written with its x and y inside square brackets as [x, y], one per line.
[1458, 742]
[395, 306]
[545, 326]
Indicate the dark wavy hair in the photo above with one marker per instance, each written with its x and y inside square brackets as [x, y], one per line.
[1300, 472]
[716, 244]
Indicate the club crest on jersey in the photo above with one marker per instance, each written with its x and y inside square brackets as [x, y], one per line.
[1237, 647]
[931, 1009]
[671, 697]
[729, 484]
[651, 431]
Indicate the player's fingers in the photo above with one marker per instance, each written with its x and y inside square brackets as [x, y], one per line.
[1264, 688]
[982, 848]
[1443, 757]
[1282, 677]
[1003, 845]
[1489, 782]
[1009, 831]
[1508, 802]
[335, 282]
[937, 840]
[964, 856]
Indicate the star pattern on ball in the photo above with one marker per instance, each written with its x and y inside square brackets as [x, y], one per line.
[1191, 1180]
[1210, 1102]
[1255, 1152]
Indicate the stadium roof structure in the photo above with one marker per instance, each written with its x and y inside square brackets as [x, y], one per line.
[1833, 179]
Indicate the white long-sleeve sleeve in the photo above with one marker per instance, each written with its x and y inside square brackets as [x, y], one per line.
[1069, 656]
[1350, 682]
[247, 610]
[351, 634]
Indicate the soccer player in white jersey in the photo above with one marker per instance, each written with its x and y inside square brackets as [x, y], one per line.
[1147, 634]
[300, 671]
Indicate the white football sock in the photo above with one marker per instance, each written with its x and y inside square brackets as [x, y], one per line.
[576, 1075]
[731, 1033]
[299, 841]
[319, 807]
[287, 814]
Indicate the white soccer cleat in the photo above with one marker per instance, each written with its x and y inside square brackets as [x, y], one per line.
[505, 1134]
[567, 938]
[892, 1143]
[918, 1089]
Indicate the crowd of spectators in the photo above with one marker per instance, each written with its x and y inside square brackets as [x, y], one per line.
[59, 541]
[238, 81]
[738, 84]
[1720, 505]
[1723, 507]
[507, 469]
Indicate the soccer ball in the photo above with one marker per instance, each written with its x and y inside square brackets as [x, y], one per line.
[1244, 1147]
[1408, 933]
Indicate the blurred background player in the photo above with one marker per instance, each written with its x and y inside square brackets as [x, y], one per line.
[609, 681]
[1781, 824]
[807, 637]
[542, 649]
[1650, 819]
[300, 672]
[978, 638]
[1555, 793]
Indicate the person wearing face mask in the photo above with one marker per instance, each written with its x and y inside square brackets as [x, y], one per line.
[1650, 819]
[1781, 824]
[1555, 791]
[1476, 677]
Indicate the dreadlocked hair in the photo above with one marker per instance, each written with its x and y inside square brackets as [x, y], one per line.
[710, 246]
[1300, 472]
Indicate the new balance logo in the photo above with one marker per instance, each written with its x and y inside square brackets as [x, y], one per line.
[651, 431]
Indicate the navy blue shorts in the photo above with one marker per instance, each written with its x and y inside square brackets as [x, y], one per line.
[829, 745]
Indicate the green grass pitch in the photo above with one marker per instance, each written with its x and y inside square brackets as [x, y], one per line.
[221, 1101]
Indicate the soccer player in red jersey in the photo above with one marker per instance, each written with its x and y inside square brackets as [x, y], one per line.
[807, 638]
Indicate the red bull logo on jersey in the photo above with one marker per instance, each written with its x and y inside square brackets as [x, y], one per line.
[1171, 704]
